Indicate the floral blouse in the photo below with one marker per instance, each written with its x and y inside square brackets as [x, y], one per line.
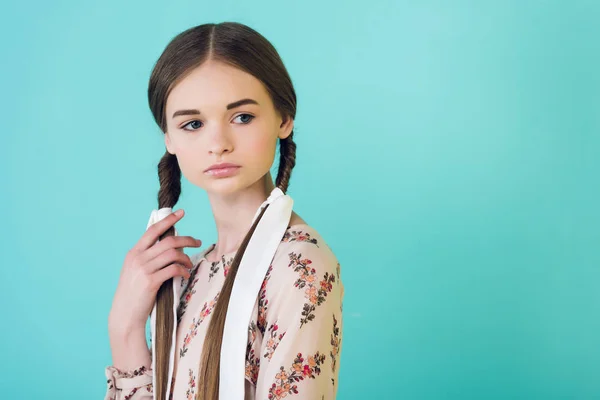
[294, 336]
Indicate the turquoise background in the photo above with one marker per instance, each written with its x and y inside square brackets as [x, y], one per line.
[447, 152]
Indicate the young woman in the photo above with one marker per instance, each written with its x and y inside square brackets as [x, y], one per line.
[224, 101]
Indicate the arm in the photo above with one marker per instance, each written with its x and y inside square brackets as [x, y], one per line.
[299, 355]
[130, 376]
[129, 349]
[148, 264]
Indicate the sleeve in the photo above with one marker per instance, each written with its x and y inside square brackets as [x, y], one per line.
[128, 385]
[301, 323]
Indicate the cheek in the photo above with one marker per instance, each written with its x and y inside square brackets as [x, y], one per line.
[261, 150]
[189, 163]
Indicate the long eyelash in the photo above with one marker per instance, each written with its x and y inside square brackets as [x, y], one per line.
[243, 123]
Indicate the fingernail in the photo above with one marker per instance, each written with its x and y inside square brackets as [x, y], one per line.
[179, 212]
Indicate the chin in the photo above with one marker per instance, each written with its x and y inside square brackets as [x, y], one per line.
[223, 186]
[229, 186]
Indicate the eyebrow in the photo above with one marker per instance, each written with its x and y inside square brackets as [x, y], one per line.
[235, 104]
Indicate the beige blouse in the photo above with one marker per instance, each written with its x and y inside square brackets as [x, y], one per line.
[294, 336]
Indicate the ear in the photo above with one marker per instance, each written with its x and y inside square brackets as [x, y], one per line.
[168, 143]
[286, 127]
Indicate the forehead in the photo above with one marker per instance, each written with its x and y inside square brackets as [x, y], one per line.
[213, 85]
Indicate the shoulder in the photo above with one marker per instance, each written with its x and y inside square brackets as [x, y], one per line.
[305, 240]
[304, 257]
[303, 283]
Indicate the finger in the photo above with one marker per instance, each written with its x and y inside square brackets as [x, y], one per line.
[169, 272]
[171, 242]
[167, 257]
[155, 230]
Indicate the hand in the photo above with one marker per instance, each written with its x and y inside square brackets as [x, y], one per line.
[147, 265]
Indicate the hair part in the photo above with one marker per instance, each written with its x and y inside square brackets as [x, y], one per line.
[242, 47]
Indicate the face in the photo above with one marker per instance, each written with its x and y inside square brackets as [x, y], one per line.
[205, 126]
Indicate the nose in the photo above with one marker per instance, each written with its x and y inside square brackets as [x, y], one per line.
[220, 142]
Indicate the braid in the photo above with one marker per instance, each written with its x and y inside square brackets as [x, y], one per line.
[169, 175]
[287, 161]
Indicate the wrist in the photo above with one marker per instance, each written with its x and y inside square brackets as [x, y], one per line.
[130, 350]
[122, 329]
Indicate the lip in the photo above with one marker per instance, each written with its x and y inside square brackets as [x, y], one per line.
[222, 170]
[221, 166]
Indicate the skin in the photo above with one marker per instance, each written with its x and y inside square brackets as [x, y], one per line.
[246, 135]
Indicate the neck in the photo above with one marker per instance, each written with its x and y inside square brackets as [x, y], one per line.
[233, 214]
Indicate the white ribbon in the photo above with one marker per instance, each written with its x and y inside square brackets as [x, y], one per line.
[156, 216]
[246, 287]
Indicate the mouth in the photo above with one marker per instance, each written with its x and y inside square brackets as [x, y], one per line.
[221, 165]
[223, 171]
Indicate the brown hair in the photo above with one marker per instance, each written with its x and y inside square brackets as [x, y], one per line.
[242, 47]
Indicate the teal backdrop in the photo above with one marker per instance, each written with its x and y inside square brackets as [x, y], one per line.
[447, 152]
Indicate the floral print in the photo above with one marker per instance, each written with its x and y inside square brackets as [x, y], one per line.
[191, 391]
[335, 344]
[227, 267]
[252, 361]
[187, 294]
[214, 268]
[252, 366]
[285, 380]
[141, 374]
[273, 340]
[298, 236]
[193, 329]
[263, 302]
[315, 294]
[294, 337]
[216, 265]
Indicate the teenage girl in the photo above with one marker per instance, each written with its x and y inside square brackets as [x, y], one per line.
[224, 100]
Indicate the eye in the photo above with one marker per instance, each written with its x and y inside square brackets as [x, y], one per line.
[249, 119]
[189, 123]
[194, 125]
